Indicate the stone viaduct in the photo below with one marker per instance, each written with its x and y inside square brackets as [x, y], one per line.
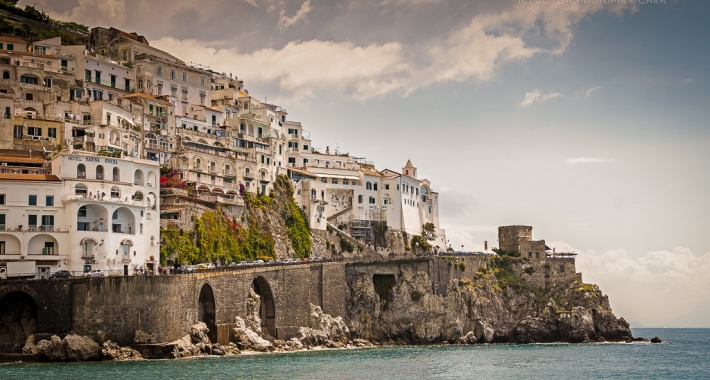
[152, 309]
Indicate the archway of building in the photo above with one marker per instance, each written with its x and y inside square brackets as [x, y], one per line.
[207, 311]
[267, 311]
[18, 319]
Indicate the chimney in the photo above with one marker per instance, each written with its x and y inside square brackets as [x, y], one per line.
[327, 150]
[485, 245]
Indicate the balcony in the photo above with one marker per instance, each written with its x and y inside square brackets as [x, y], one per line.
[109, 83]
[107, 199]
[46, 228]
[87, 255]
[184, 131]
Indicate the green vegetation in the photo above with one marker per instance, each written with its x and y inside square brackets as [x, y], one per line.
[503, 252]
[429, 231]
[346, 245]
[420, 244]
[529, 270]
[379, 230]
[502, 266]
[216, 237]
[461, 266]
[37, 24]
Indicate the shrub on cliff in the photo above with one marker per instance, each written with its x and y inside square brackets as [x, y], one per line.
[296, 224]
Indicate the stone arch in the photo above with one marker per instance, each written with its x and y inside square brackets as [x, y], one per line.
[116, 174]
[138, 178]
[5, 74]
[152, 179]
[99, 172]
[91, 217]
[267, 310]
[123, 221]
[18, 318]
[12, 245]
[207, 311]
[43, 244]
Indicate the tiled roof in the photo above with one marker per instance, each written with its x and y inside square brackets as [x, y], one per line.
[372, 172]
[12, 39]
[29, 177]
[25, 160]
[146, 96]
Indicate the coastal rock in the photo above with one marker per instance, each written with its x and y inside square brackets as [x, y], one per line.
[533, 330]
[656, 339]
[30, 348]
[248, 339]
[611, 328]
[469, 338]
[52, 350]
[483, 332]
[324, 330]
[81, 348]
[112, 351]
[576, 326]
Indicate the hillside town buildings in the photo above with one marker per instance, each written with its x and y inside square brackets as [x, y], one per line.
[88, 128]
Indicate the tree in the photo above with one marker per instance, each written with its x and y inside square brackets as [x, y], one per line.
[419, 243]
[429, 231]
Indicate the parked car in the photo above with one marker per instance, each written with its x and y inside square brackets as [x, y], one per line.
[243, 264]
[61, 274]
[271, 262]
[317, 259]
[304, 260]
[279, 261]
[95, 273]
[233, 264]
[190, 269]
[258, 262]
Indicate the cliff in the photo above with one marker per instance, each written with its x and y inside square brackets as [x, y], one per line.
[496, 305]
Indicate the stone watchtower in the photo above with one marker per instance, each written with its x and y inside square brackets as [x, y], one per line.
[409, 170]
[510, 237]
[519, 239]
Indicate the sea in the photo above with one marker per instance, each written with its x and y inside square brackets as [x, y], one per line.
[684, 354]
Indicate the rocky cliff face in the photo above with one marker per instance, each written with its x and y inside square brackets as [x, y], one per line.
[498, 306]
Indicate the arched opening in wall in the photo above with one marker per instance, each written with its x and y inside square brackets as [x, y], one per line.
[116, 175]
[206, 311]
[267, 311]
[18, 319]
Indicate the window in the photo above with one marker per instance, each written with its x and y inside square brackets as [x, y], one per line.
[313, 193]
[18, 132]
[115, 193]
[368, 185]
[173, 91]
[324, 180]
[397, 187]
[374, 186]
[184, 77]
[34, 131]
[33, 200]
[2, 199]
[2, 243]
[49, 200]
[202, 81]
[530, 254]
[99, 172]
[292, 160]
[29, 96]
[334, 181]
[562, 268]
[47, 82]
[10, 46]
[116, 175]
[387, 186]
[305, 147]
[52, 132]
[160, 71]
[359, 198]
[80, 171]
[87, 75]
[48, 220]
[372, 200]
[537, 255]
[172, 74]
[32, 220]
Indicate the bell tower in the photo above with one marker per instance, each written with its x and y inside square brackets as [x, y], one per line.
[409, 170]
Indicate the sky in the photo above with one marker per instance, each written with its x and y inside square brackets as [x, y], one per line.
[587, 120]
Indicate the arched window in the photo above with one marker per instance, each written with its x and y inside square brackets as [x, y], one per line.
[5, 74]
[313, 193]
[359, 198]
[368, 185]
[116, 175]
[138, 196]
[80, 171]
[115, 193]
[138, 178]
[100, 172]
[141, 228]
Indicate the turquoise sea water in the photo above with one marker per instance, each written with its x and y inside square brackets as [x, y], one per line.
[685, 354]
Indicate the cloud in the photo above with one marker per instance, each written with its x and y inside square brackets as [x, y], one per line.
[591, 91]
[361, 72]
[587, 160]
[301, 15]
[654, 289]
[252, 2]
[537, 97]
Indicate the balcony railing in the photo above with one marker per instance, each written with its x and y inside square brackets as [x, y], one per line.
[96, 198]
[87, 255]
[109, 83]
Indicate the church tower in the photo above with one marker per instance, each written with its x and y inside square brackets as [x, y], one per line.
[409, 170]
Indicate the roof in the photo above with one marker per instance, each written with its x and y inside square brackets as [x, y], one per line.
[26, 53]
[305, 172]
[243, 94]
[147, 97]
[372, 172]
[29, 177]
[409, 164]
[12, 39]
[25, 160]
